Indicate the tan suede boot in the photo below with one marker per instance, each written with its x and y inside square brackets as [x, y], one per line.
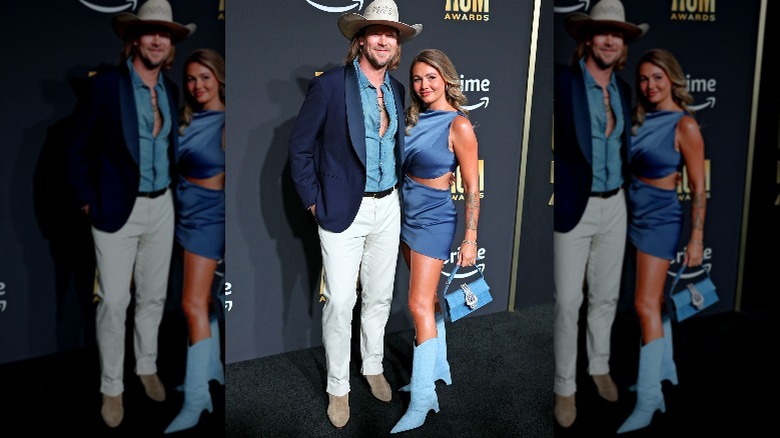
[606, 387]
[338, 409]
[112, 410]
[379, 387]
[153, 386]
[565, 410]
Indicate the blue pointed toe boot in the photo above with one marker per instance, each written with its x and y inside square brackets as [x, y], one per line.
[649, 397]
[668, 367]
[442, 371]
[216, 369]
[197, 397]
[423, 387]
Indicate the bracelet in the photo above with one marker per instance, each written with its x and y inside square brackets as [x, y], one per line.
[697, 242]
[470, 242]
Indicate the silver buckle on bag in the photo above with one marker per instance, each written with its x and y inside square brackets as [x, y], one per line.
[471, 299]
[697, 299]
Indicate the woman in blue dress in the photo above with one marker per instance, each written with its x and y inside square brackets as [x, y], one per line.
[440, 138]
[200, 225]
[664, 136]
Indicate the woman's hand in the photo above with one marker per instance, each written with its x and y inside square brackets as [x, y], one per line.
[694, 253]
[467, 254]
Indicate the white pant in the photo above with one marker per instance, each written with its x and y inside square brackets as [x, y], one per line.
[597, 244]
[139, 252]
[368, 247]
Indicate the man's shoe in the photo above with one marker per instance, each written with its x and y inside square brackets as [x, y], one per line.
[112, 410]
[606, 387]
[338, 409]
[153, 386]
[379, 387]
[565, 410]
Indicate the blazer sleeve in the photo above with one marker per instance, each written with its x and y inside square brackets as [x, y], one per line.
[304, 142]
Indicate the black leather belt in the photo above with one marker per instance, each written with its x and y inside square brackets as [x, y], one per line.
[152, 195]
[378, 195]
[604, 195]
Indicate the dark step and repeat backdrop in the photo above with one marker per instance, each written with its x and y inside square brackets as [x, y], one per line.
[273, 260]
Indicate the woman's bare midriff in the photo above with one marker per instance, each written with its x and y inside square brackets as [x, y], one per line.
[668, 182]
[443, 182]
[216, 182]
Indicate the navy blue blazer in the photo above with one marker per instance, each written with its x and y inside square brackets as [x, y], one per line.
[573, 150]
[103, 147]
[327, 147]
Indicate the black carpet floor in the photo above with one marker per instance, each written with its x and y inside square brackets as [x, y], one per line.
[501, 373]
[502, 369]
[502, 366]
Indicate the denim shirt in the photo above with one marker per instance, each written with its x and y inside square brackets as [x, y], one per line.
[153, 151]
[606, 159]
[380, 155]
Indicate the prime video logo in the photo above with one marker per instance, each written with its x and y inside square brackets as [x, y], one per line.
[353, 4]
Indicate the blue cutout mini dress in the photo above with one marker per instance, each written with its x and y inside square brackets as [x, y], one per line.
[429, 215]
[655, 215]
[200, 211]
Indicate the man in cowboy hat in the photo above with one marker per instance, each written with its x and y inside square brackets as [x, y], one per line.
[120, 166]
[346, 150]
[592, 133]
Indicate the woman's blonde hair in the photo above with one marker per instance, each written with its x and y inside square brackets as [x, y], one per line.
[664, 60]
[213, 61]
[438, 60]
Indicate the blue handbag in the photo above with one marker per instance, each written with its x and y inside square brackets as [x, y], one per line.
[469, 296]
[692, 299]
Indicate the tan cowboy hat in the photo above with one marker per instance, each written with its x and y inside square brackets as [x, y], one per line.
[150, 14]
[606, 13]
[378, 12]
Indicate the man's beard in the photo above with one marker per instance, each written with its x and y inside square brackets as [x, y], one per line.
[369, 55]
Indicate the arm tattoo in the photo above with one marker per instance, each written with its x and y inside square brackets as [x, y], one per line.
[697, 204]
[697, 200]
[472, 210]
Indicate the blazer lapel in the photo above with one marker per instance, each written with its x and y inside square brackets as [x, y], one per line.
[129, 114]
[400, 132]
[357, 129]
[582, 116]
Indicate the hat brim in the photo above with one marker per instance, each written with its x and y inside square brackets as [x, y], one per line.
[579, 24]
[126, 24]
[351, 23]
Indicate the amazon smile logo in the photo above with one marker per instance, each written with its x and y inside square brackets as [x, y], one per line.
[581, 5]
[475, 86]
[464, 272]
[343, 7]
[122, 6]
[701, 85]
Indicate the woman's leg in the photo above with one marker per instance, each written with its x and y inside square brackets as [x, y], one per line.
[424, 275]
[650, 282]
[196, 294]
[198, 278]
